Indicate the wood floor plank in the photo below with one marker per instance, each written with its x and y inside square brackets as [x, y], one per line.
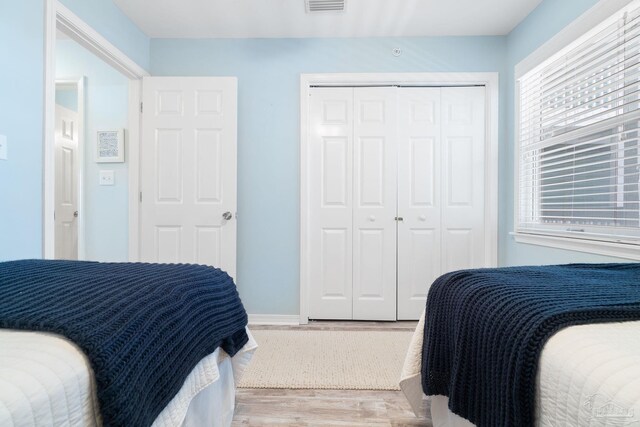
[323, 408]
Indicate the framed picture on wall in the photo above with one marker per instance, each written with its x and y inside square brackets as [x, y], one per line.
[110, 146]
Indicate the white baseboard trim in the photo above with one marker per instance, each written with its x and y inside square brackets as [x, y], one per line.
[274, 319]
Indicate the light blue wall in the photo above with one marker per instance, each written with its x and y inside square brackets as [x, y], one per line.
[268, 72]
[105, 209]
[21, 116]
[107, 19]
[542, 24]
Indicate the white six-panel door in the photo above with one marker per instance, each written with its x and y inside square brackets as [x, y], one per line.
[396, 196]
[66, 184]
[188, 171]
[331, 200]
[374, 204]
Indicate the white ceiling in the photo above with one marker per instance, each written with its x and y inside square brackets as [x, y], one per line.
[287, 18]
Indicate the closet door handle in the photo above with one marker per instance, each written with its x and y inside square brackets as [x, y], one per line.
[399, 218]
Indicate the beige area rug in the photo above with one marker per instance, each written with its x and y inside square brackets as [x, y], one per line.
[312, 359]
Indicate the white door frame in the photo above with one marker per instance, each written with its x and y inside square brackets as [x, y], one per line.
[489, 80]
[59, 17]
[77, 84]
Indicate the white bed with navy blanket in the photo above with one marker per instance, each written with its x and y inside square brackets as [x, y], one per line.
[588, 374]
[45, 380]
[117, 344]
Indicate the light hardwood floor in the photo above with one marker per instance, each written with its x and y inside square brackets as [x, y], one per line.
[257, 407]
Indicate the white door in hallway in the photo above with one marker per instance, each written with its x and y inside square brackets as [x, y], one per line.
[66, 184]
[188, 171]
[374, 203]
[441, 188]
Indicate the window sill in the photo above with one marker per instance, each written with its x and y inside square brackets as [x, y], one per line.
[599, 247]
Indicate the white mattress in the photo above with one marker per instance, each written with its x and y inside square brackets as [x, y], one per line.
[588, 375]
[45, 380]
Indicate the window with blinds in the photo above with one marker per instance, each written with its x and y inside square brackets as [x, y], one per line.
[579, 132]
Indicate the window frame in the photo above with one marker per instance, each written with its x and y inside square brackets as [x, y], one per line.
[605, 11]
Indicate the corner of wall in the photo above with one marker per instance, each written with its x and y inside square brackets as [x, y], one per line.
[113, 24]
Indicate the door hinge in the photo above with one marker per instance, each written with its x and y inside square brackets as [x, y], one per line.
[140, 197]
[141, 107]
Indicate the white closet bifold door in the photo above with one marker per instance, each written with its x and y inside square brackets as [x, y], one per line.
[441, 161]
[396, 196]
[330, 229]
[463, 163]
[419, 201]
[375, 204]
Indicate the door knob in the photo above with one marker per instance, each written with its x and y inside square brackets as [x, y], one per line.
[227, 215]
[423, 217]
[75, 214]
[372, 218]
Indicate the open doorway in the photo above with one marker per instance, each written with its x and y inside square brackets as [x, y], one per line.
[91, 194]
[91, 171]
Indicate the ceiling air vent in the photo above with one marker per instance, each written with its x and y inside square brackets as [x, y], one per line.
[315, 6]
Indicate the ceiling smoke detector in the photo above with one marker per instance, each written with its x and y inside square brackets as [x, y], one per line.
[316, 6]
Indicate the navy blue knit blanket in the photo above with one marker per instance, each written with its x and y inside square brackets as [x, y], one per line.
[143, 327]
[485, 330]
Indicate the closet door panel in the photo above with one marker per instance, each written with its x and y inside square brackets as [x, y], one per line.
[374, 211]
[371, 270]
[419, 197]
[463, 159]
[330, 203]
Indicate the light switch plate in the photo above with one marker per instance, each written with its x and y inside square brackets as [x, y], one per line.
[3, 147]
[107, 177]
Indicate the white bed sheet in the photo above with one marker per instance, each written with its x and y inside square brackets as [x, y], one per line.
[45, 380]
[588, 375]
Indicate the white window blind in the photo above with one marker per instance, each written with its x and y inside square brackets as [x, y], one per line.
[579, 132]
